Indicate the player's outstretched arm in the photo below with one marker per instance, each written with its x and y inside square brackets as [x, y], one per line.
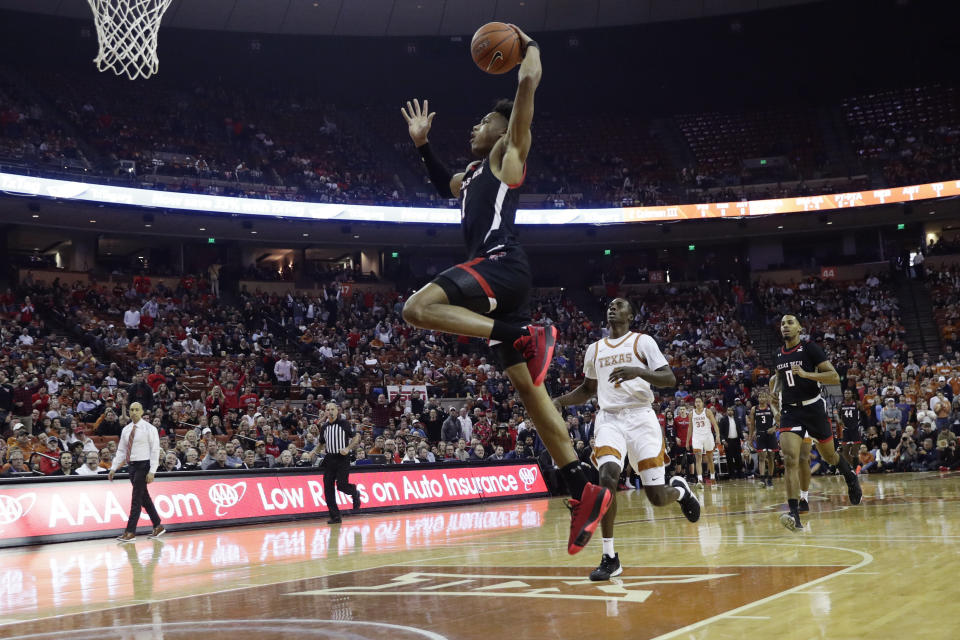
[518, 130]
[580, 395]
[419, 120]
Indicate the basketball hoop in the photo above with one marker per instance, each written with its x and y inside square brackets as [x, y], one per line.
[127, 31]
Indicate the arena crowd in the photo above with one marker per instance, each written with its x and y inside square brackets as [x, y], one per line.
[244, 386]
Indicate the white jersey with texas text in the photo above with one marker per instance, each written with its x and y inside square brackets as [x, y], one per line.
[700, 422]
[629, 350]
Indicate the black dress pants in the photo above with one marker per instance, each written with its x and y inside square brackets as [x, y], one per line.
[336, 468]
[734, 458]
[141, 497]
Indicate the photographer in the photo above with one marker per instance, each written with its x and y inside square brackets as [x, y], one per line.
[905, 454]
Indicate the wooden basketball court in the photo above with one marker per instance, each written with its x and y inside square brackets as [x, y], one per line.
[884, 569]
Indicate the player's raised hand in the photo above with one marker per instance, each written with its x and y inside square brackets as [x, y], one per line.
[418, 120]
[524, 38]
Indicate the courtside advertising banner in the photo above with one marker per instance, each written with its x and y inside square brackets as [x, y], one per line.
[44, 511]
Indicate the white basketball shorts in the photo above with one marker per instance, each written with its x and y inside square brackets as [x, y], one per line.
[633, 432]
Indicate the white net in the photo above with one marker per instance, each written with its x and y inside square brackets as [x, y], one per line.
[127, 31]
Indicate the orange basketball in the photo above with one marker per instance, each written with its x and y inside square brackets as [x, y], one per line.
[495, 48]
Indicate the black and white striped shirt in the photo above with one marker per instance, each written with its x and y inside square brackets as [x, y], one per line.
[336, 435]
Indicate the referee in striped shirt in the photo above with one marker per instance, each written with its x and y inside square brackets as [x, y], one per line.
[340, 439]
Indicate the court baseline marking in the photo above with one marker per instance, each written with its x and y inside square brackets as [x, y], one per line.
[866, 559]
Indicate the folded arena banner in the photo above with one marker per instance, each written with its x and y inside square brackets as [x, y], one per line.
[35, 511]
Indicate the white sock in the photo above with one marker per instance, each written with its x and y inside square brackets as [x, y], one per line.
[683, 492]
[805, 495]
[699, 478]
[608, 547]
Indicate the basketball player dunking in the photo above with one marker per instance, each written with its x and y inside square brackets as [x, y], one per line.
[487, 296]
[620, 371]
[801, 368]
[763, 427]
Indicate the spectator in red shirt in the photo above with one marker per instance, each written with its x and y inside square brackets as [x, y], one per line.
[272, 449]
[249, 398]
[48, 466]
[27, 311]
[41, 401]
[506, 438]
[23, 393]
[231, 397]
[142, 284]
[381, 412]
[156, 378]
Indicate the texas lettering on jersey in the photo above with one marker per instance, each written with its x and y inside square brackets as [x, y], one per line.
[619, 358]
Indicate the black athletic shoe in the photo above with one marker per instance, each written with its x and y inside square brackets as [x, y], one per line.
[688, 503]
[336, 520]
[356, 501]
[609, 568]
[804, 506]
[854, 490]
[791, 521]
[770, 483]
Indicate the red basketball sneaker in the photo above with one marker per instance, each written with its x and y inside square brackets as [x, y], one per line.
[537, 349]
[585, 514]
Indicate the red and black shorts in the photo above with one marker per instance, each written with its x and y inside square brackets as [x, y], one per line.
[767, 441]
[496, 285]
[805, 420]
[678, 454]
[852, 436]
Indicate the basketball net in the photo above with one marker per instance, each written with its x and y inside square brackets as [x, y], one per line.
[127, 31]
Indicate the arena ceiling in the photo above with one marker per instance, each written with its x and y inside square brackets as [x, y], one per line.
[413, 17]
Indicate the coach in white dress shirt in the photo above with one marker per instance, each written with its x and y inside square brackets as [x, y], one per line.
[139, 450]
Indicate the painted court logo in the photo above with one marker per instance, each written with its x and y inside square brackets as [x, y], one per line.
[12, 509]
[528, 475]
[555, 593]
[225, 495]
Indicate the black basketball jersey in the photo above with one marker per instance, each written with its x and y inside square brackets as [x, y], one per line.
[488, 211]
[808, 355]
[762, 419]
[850, 414]
[670, 431]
